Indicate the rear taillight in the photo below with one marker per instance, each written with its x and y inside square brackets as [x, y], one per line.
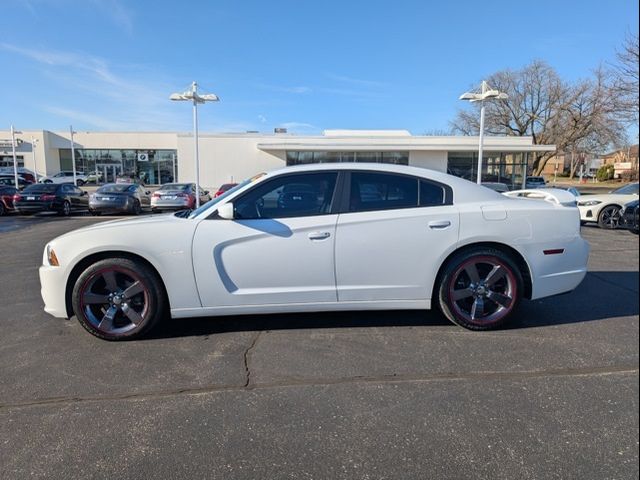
[17, 197]
[47, 198]
[218, 193]
[156, 195]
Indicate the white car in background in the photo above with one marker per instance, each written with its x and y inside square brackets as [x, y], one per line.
[605, 209]
[66, 176]
[324, 237]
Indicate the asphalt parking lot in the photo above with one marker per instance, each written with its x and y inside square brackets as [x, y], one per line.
[352, 395]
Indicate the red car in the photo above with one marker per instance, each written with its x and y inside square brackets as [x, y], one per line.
[223, 188]
[6, 199]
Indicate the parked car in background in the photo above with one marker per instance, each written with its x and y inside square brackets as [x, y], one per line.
[455, 245]
[63, 198]
[25, 173]
[129, 178]
[95, 177]
[535, 182]
[66, 176]
[605, 209]
[177, 196]
[6, 199]
[629, 217]
[119, 198]
[572, 190]
[10, 180]
[496, 186]
[223, 188]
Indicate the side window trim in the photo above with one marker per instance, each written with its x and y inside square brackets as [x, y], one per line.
[335, 197]
[345, 201]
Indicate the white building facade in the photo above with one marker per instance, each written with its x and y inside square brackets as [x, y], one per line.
[160, 157]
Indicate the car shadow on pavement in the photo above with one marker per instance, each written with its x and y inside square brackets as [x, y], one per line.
[601, 296]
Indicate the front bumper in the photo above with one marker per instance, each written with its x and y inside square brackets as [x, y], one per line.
[53, 290]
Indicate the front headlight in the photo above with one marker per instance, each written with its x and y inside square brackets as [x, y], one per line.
[589, 203]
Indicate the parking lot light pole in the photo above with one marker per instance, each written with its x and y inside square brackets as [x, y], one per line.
[15, 159]
[73, 155]
[193, 96]
[485, 93]
[34, 141]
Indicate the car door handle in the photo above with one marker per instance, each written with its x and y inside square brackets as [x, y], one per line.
[319, 235]
[439, 224]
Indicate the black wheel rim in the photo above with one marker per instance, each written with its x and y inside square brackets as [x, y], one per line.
[115, 301]
[482, 290]
[609, 217]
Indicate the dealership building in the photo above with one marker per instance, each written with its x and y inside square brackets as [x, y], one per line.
[160, 157]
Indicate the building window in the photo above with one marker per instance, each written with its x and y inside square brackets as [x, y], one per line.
[7, 161]
[502, 167]
[302, 157]
[150, 166]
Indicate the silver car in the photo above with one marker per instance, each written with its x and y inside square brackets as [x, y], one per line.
[177, 196]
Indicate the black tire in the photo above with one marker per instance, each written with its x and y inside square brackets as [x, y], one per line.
[95, 213]
[582, 223]
[483, 278]
[136, 209]
[609, 217]
[47, 181]
[79, 183]
[3, 210]
[118, 299]
[65, 211]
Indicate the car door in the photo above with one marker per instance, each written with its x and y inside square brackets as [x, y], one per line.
[81, 198]
[277, 250]
[390, 242]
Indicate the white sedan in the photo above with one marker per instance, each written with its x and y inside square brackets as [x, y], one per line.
[66, 176]
[321, 238]
[605, 209]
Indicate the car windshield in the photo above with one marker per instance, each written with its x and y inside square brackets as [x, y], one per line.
[627, 189]
[175, 186]
[212, 202]
[117, 188]
[41, 188]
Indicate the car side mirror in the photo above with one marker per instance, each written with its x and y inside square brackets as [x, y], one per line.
[226, 211]
[147, 192]
[206, 192]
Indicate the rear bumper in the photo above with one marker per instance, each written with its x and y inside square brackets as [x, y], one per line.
[52, 290]
[559, 273]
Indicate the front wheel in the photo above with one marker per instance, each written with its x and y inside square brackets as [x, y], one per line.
[609, 217]
[118, 299]
[480, 289]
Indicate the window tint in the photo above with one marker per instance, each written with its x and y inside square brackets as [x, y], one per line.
[431, 194]
[381, 191]
[288, 196]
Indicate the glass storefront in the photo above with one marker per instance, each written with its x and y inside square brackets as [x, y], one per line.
[508, 168]
[150, 166]
[302, 157]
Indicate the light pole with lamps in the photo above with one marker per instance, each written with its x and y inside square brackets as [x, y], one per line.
[193, 96]
[73, 155]
[485, 93]
[34, 141]
[15, 159]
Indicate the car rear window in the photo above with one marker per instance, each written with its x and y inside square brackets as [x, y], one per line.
[41, 188]
[117, 188]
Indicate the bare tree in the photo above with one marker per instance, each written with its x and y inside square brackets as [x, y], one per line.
[551, 111]
[625, 80]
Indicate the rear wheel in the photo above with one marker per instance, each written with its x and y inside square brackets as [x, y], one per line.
[480, 289]
[66, 209]
[118, 299]
[2, 209]
[609, 217]
[80, 182]
[137, 209]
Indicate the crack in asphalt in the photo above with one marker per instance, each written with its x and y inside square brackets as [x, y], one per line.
[247, 355]
[358, 379]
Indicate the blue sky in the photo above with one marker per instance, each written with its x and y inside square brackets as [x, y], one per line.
[305, 65]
